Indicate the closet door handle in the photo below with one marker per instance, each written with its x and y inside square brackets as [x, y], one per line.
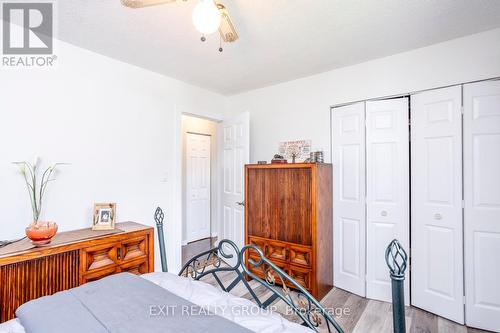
[438, 216]
[383, 213]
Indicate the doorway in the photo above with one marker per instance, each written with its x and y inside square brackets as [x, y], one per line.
[199, 156]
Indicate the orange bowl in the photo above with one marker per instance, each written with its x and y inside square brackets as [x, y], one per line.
[41, 233]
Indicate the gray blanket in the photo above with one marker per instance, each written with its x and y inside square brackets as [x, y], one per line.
[119, 303]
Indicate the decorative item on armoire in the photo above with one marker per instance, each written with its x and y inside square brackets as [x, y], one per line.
[295, 151]
[316, 157]
[39, 232]
[278, 159]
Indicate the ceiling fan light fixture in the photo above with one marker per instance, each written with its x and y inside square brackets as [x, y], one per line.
[206, 17]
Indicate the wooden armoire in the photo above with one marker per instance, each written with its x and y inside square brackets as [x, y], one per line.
[288, 215]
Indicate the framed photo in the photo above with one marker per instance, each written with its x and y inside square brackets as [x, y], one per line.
[104, 216]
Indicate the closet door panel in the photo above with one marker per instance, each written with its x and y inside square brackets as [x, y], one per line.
[387, 190]
[436, 208]
[482, 204]
[348, 142]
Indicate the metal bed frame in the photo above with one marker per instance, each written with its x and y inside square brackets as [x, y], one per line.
[227, 257]
[300, 301]
[219, 259]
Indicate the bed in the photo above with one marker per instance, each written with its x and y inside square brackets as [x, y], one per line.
[216, 309]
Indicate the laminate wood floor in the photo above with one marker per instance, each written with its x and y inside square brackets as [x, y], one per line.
[360, 315]
[196, 247]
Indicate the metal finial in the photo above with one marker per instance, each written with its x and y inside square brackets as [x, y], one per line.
[159, 216]
[396, 259]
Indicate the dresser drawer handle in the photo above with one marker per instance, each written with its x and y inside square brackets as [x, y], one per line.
[119, 253]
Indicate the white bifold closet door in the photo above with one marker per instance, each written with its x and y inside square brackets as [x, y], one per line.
[436, 208]
[387, 190]
[348, 124]
[482, 204]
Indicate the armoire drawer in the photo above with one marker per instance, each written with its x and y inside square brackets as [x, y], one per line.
[277, 251]
[301, 275]
[259, 243]
[261, 270]
[299, 255]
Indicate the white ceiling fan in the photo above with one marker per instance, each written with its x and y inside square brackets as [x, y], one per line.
[208, 16]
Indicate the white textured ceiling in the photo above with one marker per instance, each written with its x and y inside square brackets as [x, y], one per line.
[280, 40]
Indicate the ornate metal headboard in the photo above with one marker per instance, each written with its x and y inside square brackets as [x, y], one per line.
[228, 258]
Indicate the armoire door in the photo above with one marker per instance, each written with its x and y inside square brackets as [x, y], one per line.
[436, 202]
[482, 204]
[348, 143]
[387, 190]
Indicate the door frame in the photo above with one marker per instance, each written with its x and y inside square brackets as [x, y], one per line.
[173, 218]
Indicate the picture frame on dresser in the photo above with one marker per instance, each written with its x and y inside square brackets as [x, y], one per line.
[104, 216]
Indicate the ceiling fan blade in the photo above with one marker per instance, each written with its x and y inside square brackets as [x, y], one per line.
[226, 29]
[144, 3]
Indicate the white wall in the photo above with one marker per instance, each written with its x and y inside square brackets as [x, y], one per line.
[118, 126]
[208, 127]
[300, 109]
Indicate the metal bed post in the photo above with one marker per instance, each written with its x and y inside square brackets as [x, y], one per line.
[397, 261]
[159, 216]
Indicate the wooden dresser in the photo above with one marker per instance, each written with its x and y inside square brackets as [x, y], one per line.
[288, 215]
[72, 258]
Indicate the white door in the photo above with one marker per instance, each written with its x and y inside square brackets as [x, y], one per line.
[348, 143]
[436, 207]
[197, 186]
[235, 141]
[387, 191]
[482, 204]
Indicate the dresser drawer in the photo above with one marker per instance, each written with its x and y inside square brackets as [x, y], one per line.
[133, 248]
[99, 256]
[97, 274]
[138, 266]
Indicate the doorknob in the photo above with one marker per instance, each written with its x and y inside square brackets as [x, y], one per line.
[438, 216]
[240, 203]
[383, 213]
